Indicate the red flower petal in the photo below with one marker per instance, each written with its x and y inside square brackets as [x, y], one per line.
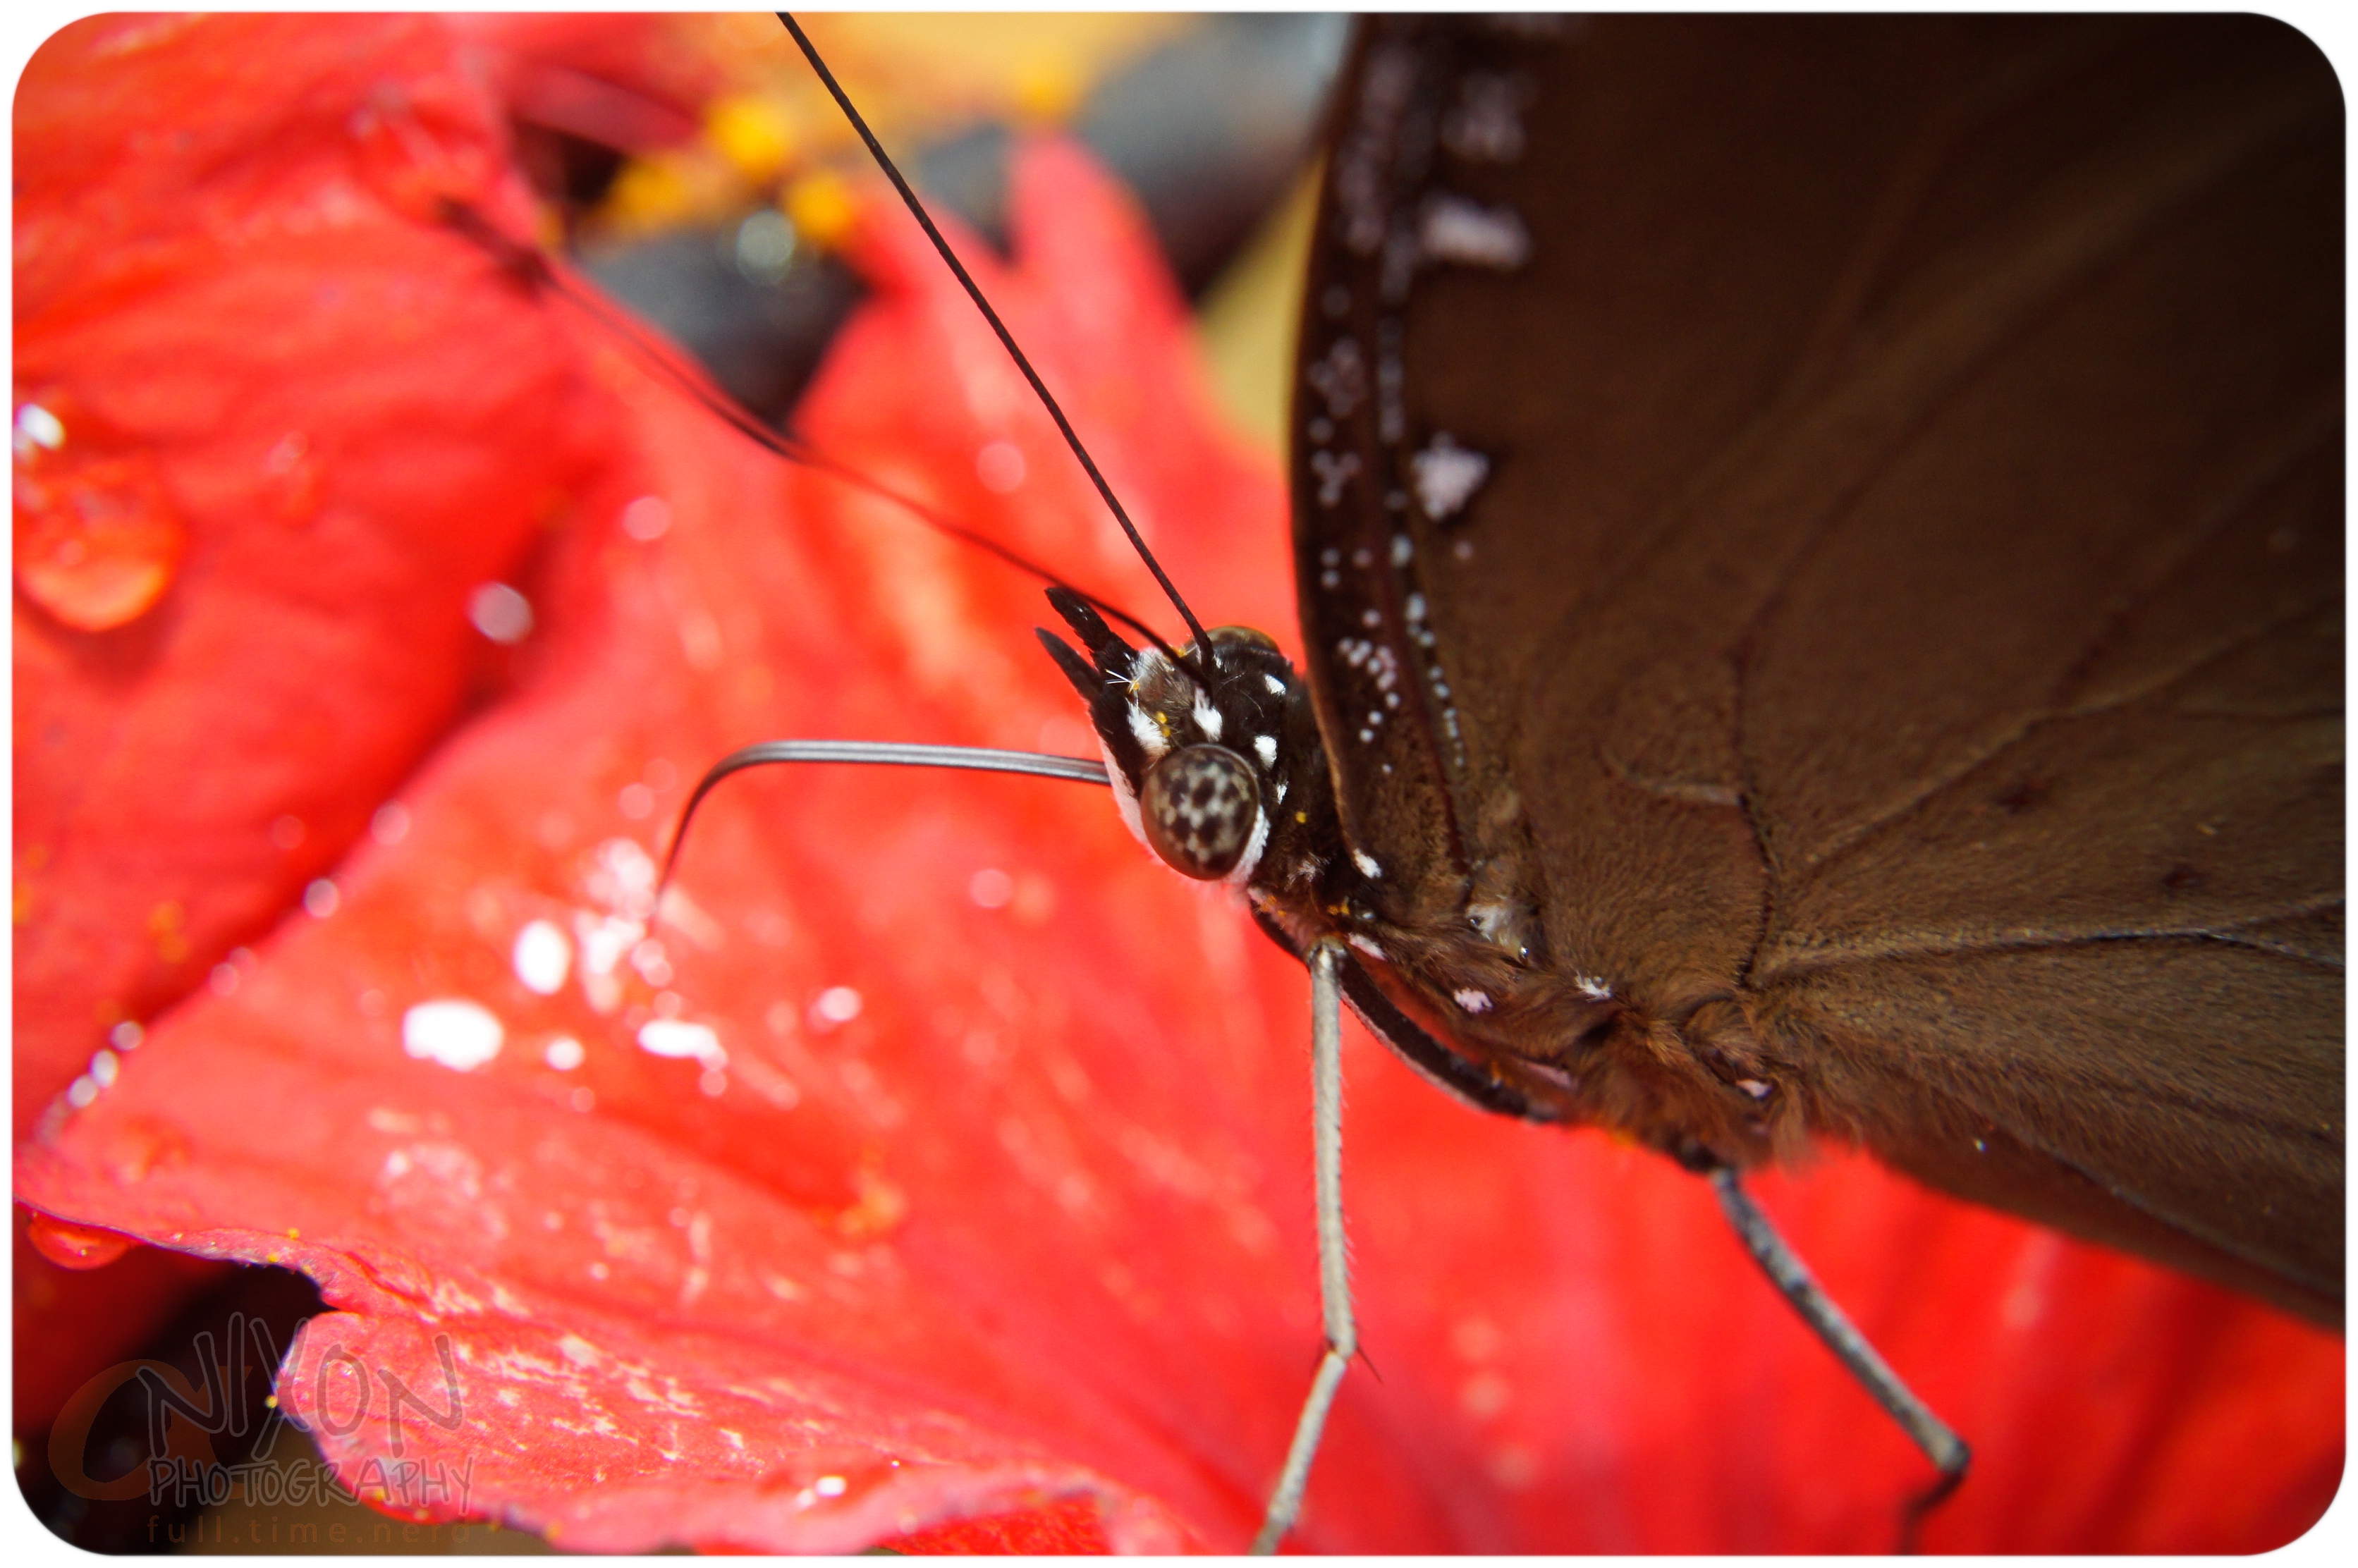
[286, 422]
[988, 1198]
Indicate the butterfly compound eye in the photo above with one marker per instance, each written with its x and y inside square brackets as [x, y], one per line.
[1198, 805]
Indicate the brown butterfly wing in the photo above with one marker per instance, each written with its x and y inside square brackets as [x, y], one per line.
[1904, 599]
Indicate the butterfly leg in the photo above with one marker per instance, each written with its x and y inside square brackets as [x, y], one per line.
[1793, 1281]
[1334, 1262]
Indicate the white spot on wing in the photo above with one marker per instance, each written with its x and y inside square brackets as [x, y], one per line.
[1340, 376]
[1208, 717]
[1487, 125]
[1333, 473]
[1265, 748]
[1367, 864]
[1452, 229]
[1472, 1000]
[1447, 475]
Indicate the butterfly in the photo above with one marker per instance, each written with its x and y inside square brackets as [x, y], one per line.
[1644, 780]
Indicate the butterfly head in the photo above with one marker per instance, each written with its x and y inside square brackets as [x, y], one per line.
[1198, 749]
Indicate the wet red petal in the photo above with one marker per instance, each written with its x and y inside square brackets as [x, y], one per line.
[1019, 1232]
[287, 422]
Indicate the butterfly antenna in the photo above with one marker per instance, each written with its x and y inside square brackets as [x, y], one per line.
[533, 271]
[1007, 339]
[887, 753]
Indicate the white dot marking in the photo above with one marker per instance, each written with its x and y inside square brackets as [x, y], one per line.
[1447, 476]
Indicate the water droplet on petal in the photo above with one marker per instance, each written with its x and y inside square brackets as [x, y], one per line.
[671, 1037]
[98, 539]
[76, 1245]
[1001, 468]
[647, 518]
[500, 614]
[462, 1035]
[542, 958]
[36, 427]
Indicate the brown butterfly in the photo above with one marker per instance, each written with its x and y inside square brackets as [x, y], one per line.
[1818, 548]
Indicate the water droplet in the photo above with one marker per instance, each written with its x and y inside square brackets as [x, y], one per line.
[991, 888]
[321, 899]
[462, 1035]
[670, 1037]
[38, 427]
[838, 1004]
[98, 538]
[125, 1036]
[654, 965]
[103, 1066]
[647, 518]
[391, 823]
[76, 1245]
[764, 246]
[636, 802]
[1000, 467]
[499, 612]
[223, 979]
[542, 958]
[564, 1053]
